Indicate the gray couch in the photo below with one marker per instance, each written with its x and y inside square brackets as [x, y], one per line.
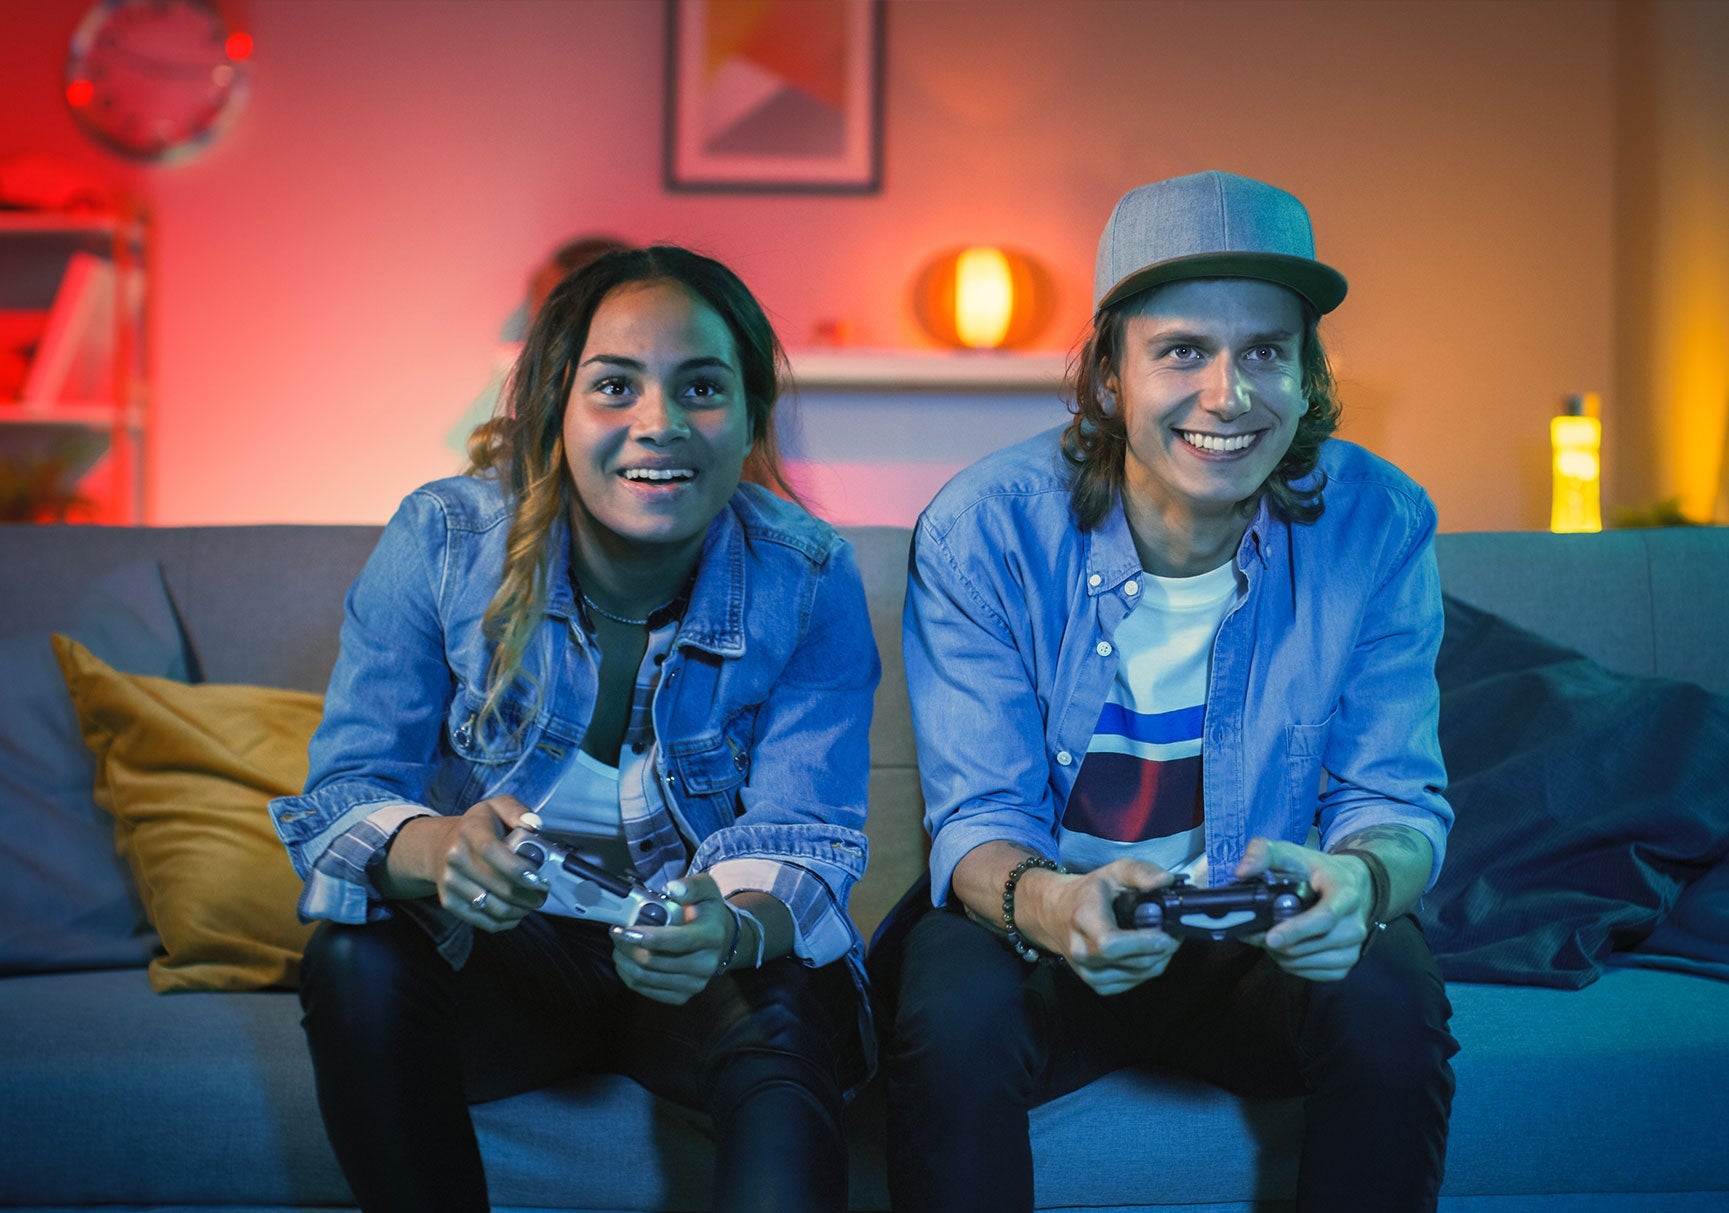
[1610, 1097]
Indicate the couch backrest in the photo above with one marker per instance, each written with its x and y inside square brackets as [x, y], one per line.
[1641, 602]
[262, 604]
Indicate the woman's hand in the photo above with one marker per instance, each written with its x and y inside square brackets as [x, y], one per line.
[672, 964]
[1324, 941]
[464, 863]
[1073, 915]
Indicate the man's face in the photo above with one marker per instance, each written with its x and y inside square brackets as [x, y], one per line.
[1210, 388]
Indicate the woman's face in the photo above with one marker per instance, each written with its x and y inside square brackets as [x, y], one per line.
[657, 428]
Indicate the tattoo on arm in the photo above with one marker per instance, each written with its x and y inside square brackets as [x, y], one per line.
[1389, 841]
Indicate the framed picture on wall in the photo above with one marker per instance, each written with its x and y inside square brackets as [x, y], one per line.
[774, 95]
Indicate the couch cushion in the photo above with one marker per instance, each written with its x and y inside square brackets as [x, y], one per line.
[66, 899]
[1585, 800]
[1618, 1087]
[114, 1094]
[187, 773]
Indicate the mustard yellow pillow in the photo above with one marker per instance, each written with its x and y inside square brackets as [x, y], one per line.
[186, 771]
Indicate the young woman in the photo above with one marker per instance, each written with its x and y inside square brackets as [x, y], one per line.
[609, 621]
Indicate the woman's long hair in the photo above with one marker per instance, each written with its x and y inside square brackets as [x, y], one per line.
[525, 446]
[1096, 441]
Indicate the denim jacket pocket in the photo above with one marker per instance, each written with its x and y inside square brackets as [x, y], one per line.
[1305, 744]
[502, 739]
[708, 775]
[712, 769]
[491, 750]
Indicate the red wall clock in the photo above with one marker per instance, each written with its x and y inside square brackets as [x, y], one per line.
[155, 80]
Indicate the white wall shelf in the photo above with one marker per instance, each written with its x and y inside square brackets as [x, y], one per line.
[933, 370]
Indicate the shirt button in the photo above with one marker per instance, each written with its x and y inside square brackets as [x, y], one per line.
[1103, 648]
[1064, 758]
[1132, 588]
[1094, 580]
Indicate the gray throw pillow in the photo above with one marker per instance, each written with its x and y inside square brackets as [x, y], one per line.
[66, 898]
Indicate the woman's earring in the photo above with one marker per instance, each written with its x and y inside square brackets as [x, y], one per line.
[1107, 402]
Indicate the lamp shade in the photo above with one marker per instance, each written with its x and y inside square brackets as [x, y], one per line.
[982, 297]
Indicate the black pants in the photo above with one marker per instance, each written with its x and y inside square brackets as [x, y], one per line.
[980, 1037]
[402, 1043]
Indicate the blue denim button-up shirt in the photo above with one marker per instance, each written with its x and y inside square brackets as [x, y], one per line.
[760, 718]
[1322, 707]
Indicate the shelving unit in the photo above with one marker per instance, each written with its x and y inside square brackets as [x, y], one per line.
[75, 303]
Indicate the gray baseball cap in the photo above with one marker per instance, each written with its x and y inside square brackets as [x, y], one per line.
[1211, 225]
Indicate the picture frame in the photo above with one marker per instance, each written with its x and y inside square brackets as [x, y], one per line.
[774, 96]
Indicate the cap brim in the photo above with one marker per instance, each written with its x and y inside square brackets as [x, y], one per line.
[1322, 285]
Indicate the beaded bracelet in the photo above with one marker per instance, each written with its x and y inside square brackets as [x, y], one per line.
[1022, 948]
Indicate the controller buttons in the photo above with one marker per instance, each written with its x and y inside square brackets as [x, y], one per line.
[652, 914]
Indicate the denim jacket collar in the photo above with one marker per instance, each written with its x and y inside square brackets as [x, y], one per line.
[714, 619]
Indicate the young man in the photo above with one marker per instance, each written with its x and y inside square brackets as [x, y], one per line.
[1188, 635]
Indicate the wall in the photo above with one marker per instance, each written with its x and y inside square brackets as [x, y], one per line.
[1670, 437]
[334, 274]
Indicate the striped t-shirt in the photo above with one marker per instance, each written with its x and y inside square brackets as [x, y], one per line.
[1138, 792]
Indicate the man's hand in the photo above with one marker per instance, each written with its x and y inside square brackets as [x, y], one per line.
[464, 863]
[672, 964]
[1324, 941]
[1072, 916]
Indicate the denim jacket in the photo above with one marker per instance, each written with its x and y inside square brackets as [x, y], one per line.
[1322, 708]
[760, 718]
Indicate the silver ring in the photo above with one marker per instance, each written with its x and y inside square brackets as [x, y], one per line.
[478, 902]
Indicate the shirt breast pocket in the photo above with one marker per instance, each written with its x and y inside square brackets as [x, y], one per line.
[1305, 745]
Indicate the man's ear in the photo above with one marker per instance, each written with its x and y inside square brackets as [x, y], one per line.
[1107, 392]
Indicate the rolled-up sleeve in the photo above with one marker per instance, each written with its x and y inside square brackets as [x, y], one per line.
[373, 753]
[976, 715]
[1383, 753]
[800, 837]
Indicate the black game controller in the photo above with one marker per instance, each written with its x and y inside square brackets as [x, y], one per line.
[576, 888]
[1226, 912]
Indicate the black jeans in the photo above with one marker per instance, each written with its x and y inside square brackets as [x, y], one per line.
[402, 1043]
[980, 1037]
